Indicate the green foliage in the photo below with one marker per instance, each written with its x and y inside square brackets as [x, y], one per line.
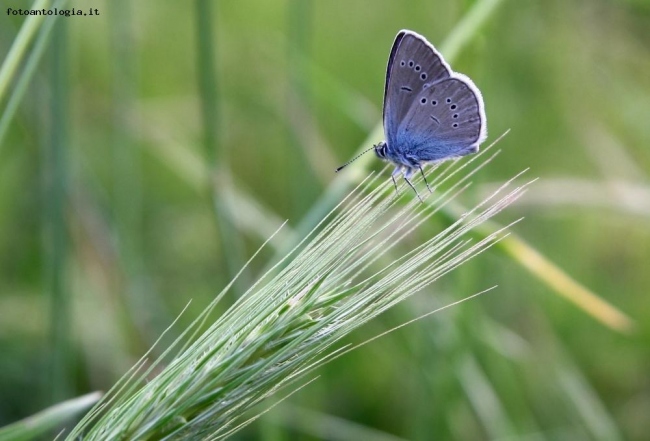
[149, 151]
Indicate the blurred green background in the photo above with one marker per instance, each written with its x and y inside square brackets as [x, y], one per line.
[158, 144]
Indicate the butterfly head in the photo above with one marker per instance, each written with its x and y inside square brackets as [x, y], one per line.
[380, 149]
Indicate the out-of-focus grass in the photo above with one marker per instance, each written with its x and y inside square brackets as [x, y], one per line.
[568, 78]
[48, 419]
[215, 156]
[19, 48]
[56, 179]
[18, 55]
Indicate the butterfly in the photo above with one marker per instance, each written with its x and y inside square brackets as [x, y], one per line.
[431, 113]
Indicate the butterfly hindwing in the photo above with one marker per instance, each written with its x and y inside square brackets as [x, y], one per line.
[445, 122]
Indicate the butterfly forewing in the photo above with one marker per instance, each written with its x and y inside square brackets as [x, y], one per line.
[413, 65]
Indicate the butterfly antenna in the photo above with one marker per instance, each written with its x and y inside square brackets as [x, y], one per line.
[354, 159]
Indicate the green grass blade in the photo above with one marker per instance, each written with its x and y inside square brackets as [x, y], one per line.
[552, 275]
[56, 181]
[42, 41]
[48, 419]
[232, 248]
[19, 48]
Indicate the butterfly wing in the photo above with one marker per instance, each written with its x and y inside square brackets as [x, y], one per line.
[430, 112]
[446, 120]
[412, 64]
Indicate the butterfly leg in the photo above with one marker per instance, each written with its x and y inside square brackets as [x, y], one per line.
[396, 172]
[407, 174]
[425, 178]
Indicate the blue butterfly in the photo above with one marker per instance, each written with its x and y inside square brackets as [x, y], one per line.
[431, 113]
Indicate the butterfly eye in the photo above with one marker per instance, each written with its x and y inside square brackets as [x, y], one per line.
[417, 68]
[455, 115]
[403, 63]
[434, 103]
[453, 107]
[411, 63]
[423, 100]
[455, 125]
[448, 100]
[423, 76]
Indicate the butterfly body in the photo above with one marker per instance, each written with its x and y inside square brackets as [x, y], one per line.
[431, 113]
